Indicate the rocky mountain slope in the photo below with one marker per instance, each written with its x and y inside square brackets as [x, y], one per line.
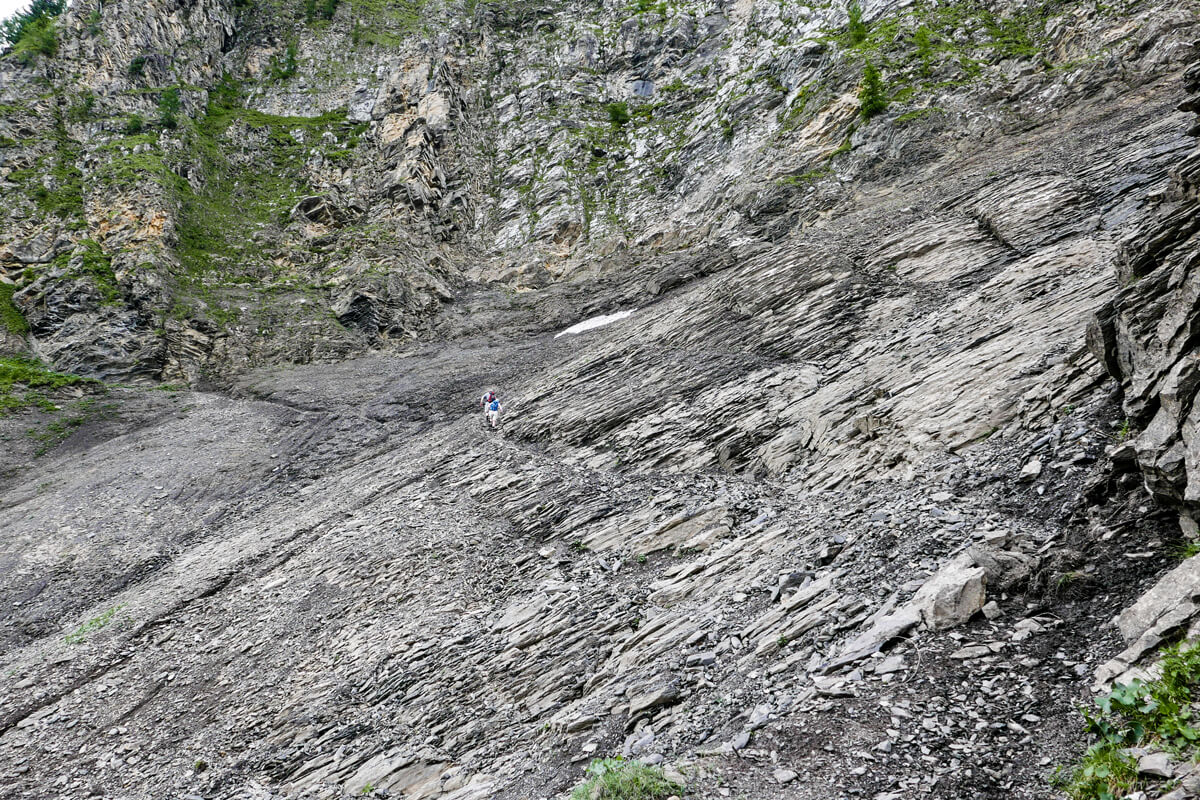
[888, 414]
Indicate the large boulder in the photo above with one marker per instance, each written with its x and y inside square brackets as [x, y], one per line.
[953, 595]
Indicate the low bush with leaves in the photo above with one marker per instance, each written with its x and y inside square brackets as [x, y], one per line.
[11, 318]
[1157, 714]
[284, 66]
[618, 779]
[618, 113]
[320, 9]
[856, 29]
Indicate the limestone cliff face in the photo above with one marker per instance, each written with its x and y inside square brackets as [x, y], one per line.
[332, 176]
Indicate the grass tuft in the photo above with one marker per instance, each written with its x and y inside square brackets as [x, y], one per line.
[618, 779]
[31, 378]
[94, 624]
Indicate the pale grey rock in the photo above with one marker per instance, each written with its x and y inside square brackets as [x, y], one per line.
[1168, 607]
[953, 595]
[1007, 570]
[784, 776]
[654, 698]
[971, 651]
[1180, 585]
[1031, 471]
[821, 336]
[759, 716]
[889, 665]
[1157, 765]
[881, 632]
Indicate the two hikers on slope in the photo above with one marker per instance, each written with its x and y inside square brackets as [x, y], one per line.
[491, 407]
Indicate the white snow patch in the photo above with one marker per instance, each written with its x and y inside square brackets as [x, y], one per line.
[595, 322]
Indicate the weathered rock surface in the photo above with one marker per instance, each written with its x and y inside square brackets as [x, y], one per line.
[776, 378]
[1144, 333]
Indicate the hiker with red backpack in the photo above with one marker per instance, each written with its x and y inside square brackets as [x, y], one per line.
[491, 407]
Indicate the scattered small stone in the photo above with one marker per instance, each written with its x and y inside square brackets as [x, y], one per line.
[1031, 471]
[971, 651]
[1156, 764]
[889, 665]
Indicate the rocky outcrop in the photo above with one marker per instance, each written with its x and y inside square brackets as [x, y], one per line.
[350, 584]
[308, 186]
[1146, 335]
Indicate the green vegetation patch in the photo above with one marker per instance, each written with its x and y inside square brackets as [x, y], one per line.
[618, 779]
[872, 96]
[221, 225]
[253, 168]
[56, 182]
[10, 316]
[134, 158]
[646, 6]
[96, 265]
[24, 381]
[168, 107]
[84, 108]
[285, 66]
[618, 113]
[1157, 714]
[78, 414]
[930, 45]
[920, 113]
[92, 625]
[320, 9]
[807, 178]
[926, 33]
[383, 22]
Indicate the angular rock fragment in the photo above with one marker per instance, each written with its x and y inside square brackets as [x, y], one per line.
[953, 595]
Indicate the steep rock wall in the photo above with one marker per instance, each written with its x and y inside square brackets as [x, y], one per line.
[1146, 334]
[326, 185]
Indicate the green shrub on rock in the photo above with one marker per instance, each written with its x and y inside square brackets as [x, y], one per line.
[618, 779]
[1156, 714]
[35, 378]
[39, 39]
[618, 113]
[10, 316]
[168, 107]
[871, 94]
[856, 29]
